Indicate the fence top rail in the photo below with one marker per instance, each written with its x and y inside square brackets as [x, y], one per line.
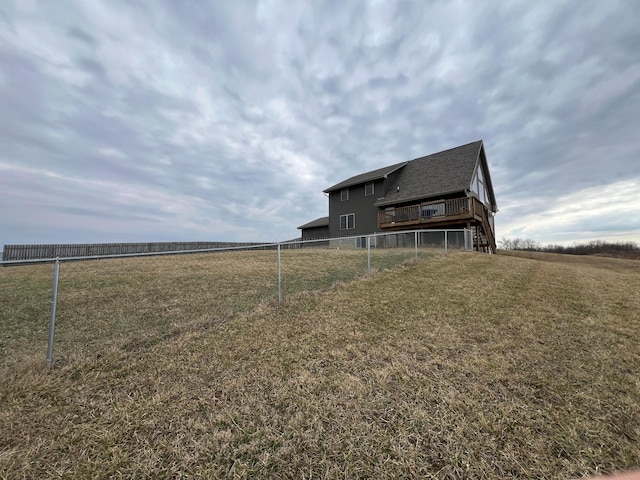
[272, 245]
[375, 234]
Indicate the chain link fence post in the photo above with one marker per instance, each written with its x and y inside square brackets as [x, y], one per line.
[446, 243]
[52, 316]
[368, 254]
[279, 276]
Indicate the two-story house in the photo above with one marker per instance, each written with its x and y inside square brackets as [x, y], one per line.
[449, 189]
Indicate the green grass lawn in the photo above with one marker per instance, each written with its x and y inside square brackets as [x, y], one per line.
[466, 366]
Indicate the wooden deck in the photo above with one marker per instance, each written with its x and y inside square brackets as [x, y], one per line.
[441, 214]
[458, 209]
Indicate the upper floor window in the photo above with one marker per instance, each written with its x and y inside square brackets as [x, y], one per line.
[348, 221]
[368, 189]
[344, 194]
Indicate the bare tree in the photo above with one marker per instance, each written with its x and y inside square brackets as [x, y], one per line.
[518, 244]
[528, 244]
[505, 243]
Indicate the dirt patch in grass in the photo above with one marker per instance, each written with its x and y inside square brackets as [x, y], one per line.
[470, 366]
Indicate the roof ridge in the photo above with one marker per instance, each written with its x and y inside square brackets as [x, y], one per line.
[382, 172]
[447, 150]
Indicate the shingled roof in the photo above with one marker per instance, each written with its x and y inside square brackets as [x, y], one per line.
[366, 177]
[318, 222]
[440, 173]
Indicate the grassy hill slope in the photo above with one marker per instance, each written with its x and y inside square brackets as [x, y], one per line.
[466, 366]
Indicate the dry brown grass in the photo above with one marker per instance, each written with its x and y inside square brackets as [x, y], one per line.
[133, 302]
[470, 366]
[598, 261]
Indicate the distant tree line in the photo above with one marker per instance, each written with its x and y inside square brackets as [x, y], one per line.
[595, 247]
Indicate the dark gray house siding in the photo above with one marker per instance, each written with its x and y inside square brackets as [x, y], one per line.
[315, 230]
[315, 233]
[361, 206]
[357, 214]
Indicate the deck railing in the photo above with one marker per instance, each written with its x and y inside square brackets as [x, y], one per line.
[449, 211]
[430, 211]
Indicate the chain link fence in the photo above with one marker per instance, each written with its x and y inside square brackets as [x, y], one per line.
[134, 301]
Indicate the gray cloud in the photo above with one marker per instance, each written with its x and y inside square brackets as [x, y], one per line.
[226, 120]
[79, 34]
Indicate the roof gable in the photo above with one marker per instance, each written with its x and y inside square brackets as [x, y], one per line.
[366, 177]
[441, 173]
[444, 172]
[483, 164]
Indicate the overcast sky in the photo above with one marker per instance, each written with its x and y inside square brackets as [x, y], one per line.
[224, 120]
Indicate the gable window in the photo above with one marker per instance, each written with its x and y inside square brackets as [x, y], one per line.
[348, 221]
[478, 186]
[344, 194]
[368, 189]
